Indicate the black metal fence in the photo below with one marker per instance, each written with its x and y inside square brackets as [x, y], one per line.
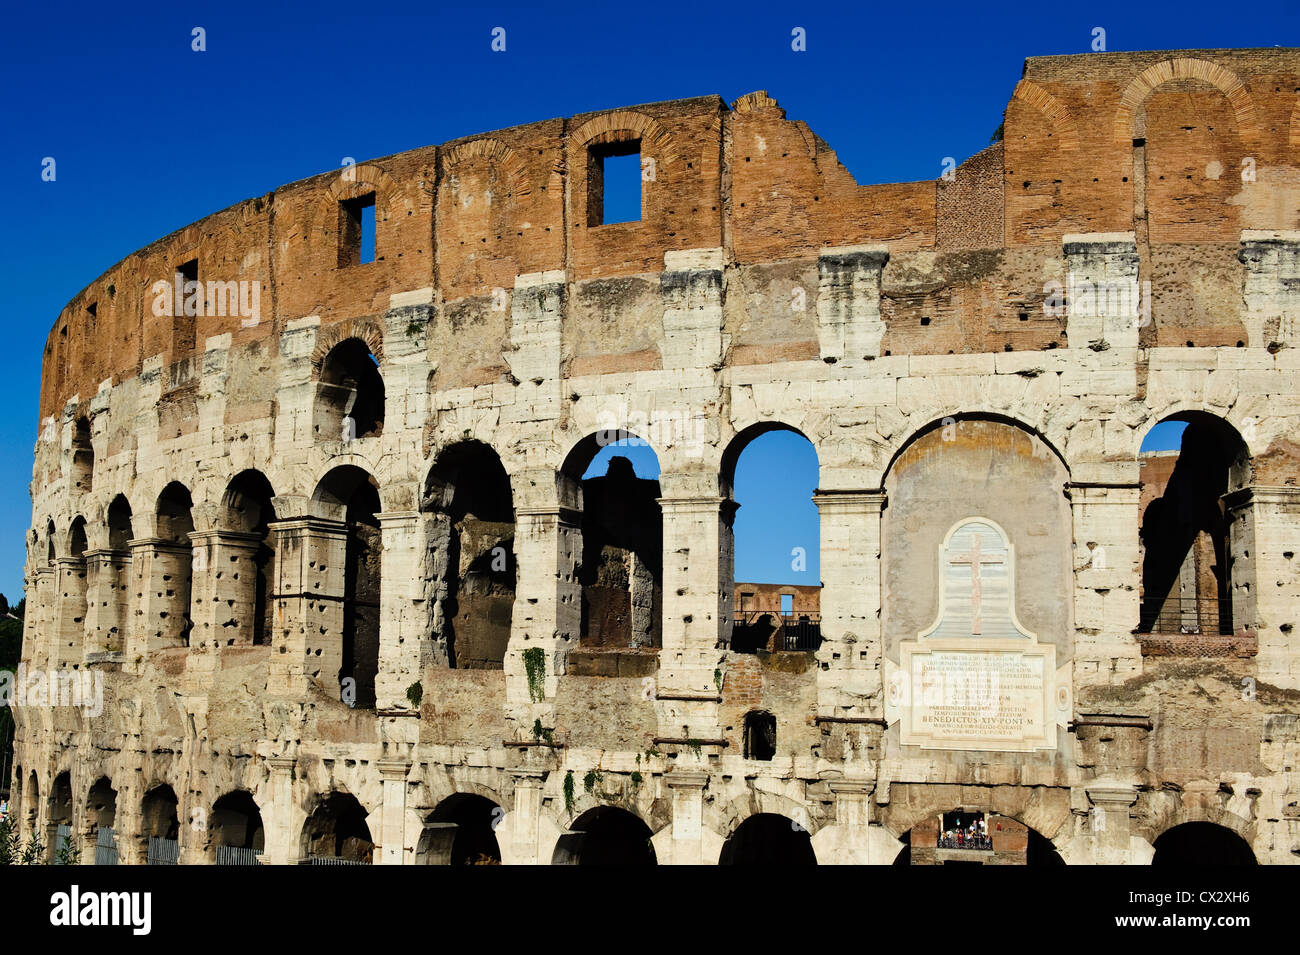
[1187, 615]
[793, 631]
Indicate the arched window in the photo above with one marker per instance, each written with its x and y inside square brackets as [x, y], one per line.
[1188, 464]
[471, 554]
[83, 457]
[621, 569]
[354, 496]
[236, 829]
[768, 839]
[160, 826]
[1202, 843]
[173, 577]
[349, 393]
[771, 470]
[461, 832]
[606, 836]
[249, 510]
[336, 833]
[760, 735]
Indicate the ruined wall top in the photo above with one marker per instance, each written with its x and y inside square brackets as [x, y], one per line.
[458, 220]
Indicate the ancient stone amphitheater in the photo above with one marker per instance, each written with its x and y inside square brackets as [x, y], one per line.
[316, 522]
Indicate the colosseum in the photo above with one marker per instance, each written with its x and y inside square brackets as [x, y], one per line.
[317, 572]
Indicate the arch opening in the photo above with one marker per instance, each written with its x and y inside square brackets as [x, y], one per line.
[1202, 843]
[160, 826]
[1189, 462]
[336, 833]
[975, 837]
[83, 457]
[606, 836]
[768, 838]
[101, 815]
[469, 539]
[773, 539]
[236, 832]
[349, 393]
[171, 573]
[461, 831]
[759, 735]
[249, 509]
[612, 475]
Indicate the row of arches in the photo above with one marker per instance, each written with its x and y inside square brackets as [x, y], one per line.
[462, 830]
[471, 576]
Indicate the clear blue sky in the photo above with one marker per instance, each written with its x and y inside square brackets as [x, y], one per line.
[149, 136]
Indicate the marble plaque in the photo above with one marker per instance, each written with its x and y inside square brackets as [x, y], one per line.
[977, 679]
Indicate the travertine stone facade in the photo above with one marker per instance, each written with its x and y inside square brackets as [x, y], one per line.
[997, 343]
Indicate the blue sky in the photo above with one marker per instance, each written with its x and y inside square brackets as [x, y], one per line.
[148, 135]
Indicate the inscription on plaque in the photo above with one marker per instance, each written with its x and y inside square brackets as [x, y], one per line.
[977, 679]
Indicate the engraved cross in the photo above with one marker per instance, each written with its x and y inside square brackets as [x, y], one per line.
[974, 557]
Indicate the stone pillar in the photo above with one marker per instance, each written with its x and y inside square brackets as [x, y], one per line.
[848, 841]
[548, 599]
[280, 846]
[106, 613]
[1102, 290]
[523, 821]
[393, 834]
[401, 636]
[537, 309]
[692, 290]
[1107, 570]
[687, 790]
[849, 324]
[160, 569]
[66, 639]
[851, 654]
[1265, 583]
[1272, 287]
[40, 642]
[697, 597]
[310, 555]
[223, 589]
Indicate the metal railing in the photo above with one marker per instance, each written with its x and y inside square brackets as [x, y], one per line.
[332, 860]
[794, 631]
[105, 846]
[163, 851]
[238, 855]
[1186, 615]
[965, 842]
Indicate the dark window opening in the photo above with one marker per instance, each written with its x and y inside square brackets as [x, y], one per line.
[614, 183]
[183, 326]
[83, 457]
[760, 736]
[357, 231]
[350, 393]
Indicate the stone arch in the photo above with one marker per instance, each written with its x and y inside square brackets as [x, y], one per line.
[50, 534]
[353, 181]
[336, 829]
[118, 521]
[908, 438]
[247, 507]
[236, 834]
[1179, 68]
[77, 537]
[493, 152]
[655, 138]
[728, 819]
[1202, 843]
[350, 393]
[350, 495]
[768, 839]
[1188, 538]
[81, 479]
[159, 835]
[620, 572]
[461, 830]
[470, 549]
[608, 836]
[1062, 120]
[370, 334]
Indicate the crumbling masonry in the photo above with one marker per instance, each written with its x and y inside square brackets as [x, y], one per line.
[321, 529]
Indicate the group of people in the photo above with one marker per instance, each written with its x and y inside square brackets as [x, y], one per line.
[973, 836]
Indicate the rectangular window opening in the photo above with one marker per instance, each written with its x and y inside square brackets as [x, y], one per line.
[191, 301]
[614, 183]
[787, 605]
[357, 231]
